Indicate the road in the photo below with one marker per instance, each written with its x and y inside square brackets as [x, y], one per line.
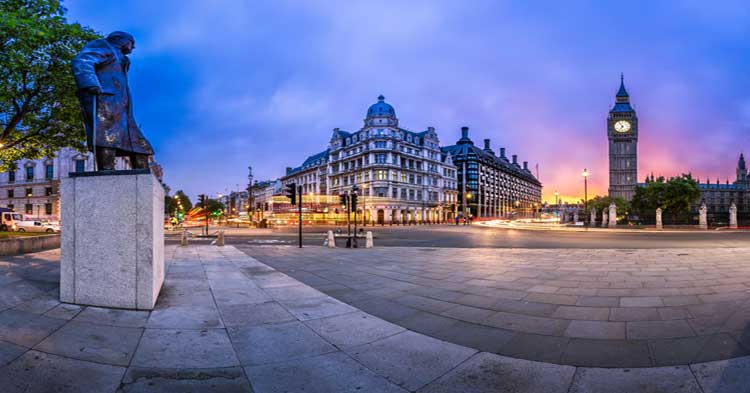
[476, 236]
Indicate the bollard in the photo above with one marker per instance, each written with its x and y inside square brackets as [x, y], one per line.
[184, 239]
[220, 239]
[331, 241]
[369, 243]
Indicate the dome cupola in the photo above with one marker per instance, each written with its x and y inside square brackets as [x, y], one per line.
[381, 113]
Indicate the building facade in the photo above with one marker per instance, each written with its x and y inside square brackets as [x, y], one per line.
[402, 175]
[622, 132]
[262, 198]
[490, 185]
[719, 197]
[34, 187]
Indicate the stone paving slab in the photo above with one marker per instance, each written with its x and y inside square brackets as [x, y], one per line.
[409, 359]
[487, 372]
[223, 310]
[642, 380]
[334, 372]
[37, 372]
[203, 380]
[95, 343]
[256, 345]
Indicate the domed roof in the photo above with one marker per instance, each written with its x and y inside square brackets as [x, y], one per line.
[381, 108]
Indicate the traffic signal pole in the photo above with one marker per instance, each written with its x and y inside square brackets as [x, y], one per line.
[294, 193]
[299, 195]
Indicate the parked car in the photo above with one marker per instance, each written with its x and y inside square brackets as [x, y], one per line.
[37, 226]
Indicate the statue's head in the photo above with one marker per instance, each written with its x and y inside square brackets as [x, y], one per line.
[124, 41]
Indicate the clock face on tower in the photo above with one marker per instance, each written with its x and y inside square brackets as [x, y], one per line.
[622, 126]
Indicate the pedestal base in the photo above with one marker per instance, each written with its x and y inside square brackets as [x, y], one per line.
[112, 239]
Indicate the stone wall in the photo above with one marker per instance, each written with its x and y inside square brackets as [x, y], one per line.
[26, 244]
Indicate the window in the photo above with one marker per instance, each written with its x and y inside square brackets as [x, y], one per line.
[29, 208]
[29, 173]
[80, 166]
[394, 193]
[49, 171]
[380, 158]
[11, 176]
[47, 191]
[380, 144]
[29, 192]
[381, 175]
[48, 208]
[11, 194]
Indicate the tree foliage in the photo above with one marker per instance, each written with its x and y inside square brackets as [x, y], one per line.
[215, 206]
[39, 112]
[673, 196]
[170, 205]
[603, 202]
[184, 200]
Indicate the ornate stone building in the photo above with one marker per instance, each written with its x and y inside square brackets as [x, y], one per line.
[34, 187]
[720, 196]
[622, 132]
[402, 175]
[490, 185]
[262, 197]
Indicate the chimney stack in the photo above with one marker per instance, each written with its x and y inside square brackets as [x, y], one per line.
[487, 144]
[431, 129]
[515, 159]
[502, 152]
[526, 165]
[464, 132]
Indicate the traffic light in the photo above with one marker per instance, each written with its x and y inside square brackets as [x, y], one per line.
[291, 192]
[202, 199]
[353, 199]
[342, 199]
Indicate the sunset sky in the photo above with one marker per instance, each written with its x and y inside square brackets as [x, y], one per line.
[219, 85]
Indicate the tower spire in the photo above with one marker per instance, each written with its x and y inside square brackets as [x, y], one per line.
[622, 93]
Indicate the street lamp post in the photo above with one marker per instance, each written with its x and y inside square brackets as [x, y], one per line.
[557, 203]
[585, 175]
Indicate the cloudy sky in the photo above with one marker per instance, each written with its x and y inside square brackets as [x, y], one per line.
[222, 84]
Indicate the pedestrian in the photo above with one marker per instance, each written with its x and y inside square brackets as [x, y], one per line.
[456, 220]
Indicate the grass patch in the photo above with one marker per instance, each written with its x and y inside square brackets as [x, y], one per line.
[8, 235]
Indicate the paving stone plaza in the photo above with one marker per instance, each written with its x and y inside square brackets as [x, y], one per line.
[280, 319]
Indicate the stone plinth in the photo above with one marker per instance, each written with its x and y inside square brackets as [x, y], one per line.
[112, 239]
[733, 216]
[702, 219]
[605, 219]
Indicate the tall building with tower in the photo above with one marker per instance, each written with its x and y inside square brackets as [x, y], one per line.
[622, 132]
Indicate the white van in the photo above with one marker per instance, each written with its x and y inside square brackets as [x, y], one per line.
[9, 221]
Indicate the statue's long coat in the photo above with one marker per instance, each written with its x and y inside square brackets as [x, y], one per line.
[101, 64]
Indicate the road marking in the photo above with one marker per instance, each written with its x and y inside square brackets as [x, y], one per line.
[268, 241]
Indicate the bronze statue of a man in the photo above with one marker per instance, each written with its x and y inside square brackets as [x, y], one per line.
[101, 73]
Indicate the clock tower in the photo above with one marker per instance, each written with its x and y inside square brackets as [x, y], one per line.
[622, 131]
